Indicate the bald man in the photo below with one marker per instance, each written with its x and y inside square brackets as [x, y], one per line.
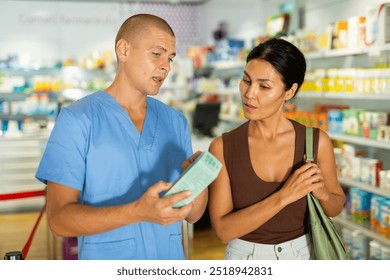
[113, 153]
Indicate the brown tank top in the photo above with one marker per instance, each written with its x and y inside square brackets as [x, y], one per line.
[247, 188]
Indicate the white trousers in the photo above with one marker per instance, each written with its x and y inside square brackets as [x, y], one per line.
[296, 249]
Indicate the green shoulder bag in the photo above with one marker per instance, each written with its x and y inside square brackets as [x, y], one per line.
[327, 243]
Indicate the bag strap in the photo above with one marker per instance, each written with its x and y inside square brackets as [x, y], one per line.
[309, 144]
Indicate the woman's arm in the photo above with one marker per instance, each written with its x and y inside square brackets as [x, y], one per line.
[330, 194]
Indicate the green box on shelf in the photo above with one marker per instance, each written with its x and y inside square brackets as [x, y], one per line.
[351, 121]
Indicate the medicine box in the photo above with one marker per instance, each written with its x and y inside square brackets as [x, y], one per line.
[376, 204]
[360, 205]
[351, 121]
[377, 119]
[369, 171]
[378, 24]
[384, 219]
[356, 29]
[335, 121]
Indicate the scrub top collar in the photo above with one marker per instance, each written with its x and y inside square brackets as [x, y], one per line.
[143, 140]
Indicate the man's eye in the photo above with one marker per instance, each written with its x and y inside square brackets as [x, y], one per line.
[156, 54]
[246, 81]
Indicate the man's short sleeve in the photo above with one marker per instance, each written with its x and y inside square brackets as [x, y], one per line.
[63, 160]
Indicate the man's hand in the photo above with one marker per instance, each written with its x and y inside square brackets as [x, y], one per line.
[158, 210]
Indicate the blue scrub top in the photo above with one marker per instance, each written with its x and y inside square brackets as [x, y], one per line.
[95, 148]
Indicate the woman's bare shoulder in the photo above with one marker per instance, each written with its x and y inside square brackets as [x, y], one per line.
[216, 144]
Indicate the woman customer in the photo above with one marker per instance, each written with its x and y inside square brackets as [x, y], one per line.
[258, 202]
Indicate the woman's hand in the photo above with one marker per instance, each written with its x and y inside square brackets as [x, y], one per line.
[307, 178]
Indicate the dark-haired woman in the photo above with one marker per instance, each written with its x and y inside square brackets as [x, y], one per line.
[258, 202]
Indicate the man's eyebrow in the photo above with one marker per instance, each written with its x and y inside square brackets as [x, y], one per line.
[165, 50]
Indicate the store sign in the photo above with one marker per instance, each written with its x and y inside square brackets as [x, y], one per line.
[43, 32]
[28, 19]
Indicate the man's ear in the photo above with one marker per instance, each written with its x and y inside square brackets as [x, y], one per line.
[122, 48]
[291, 92]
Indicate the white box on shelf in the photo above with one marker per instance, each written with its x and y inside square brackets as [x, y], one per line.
[378, 24]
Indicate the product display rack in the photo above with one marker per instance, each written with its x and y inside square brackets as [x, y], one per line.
[364, 229]
[18, 97]
[345, 96]
[22, 150]
[229, 95]
[371, 101]
[26, 87]
[19, 159]
[71, 83]
[79, 82]
[360, 141]
[364, 50]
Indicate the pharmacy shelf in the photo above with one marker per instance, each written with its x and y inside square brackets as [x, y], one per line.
[366, 50]
[22, 117]
[227, 65]
[21, 155]
[360, 140]
[17, 177]
[26, 140]
[364, 229]
[353, 96]
[353, 184]
[19, 159]
[336, 53]
[32, 69]
[20, 96]
[6, 167]
[6, 96]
